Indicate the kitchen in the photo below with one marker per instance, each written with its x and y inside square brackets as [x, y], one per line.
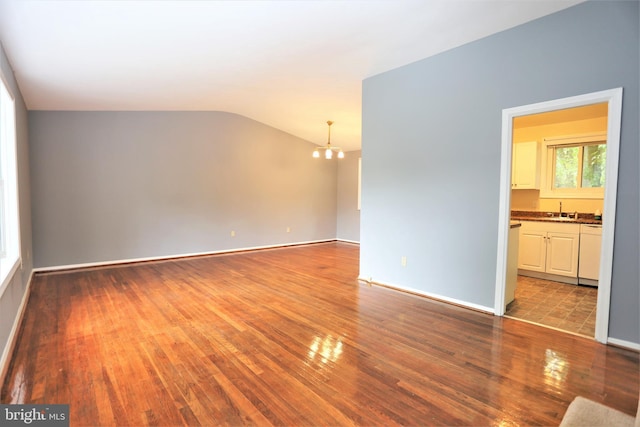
[557, 192]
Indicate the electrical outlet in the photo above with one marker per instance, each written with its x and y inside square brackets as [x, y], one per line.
[233, 233]
[288, 229]
[403, 261]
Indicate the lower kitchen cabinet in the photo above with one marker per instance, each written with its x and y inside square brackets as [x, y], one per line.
[562, 253]
[549, 249]
[532, 253]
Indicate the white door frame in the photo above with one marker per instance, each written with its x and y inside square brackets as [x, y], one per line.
[614, 99]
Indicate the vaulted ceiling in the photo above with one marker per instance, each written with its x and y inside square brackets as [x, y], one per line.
[290, 64]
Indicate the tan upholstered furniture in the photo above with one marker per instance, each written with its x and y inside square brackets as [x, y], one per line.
[584, 412]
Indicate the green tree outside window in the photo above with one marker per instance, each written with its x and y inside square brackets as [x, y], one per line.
[586, 162]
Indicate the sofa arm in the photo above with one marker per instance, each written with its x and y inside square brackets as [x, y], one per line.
[584, 412]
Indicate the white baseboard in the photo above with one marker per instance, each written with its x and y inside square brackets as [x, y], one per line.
[13, 335]
[437, 297]
[355, 242]
[176, 256]
[622, 343]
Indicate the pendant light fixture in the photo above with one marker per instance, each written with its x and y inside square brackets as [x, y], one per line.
[328, 150]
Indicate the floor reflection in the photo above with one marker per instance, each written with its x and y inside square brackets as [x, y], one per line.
[327, 349]
[556, 368]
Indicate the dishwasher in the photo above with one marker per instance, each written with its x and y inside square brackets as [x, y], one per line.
[589, 259]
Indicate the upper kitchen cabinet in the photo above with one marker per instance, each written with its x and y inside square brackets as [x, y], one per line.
[525, 166]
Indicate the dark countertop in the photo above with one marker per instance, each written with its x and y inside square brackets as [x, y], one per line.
[556, 219]
[583, 217]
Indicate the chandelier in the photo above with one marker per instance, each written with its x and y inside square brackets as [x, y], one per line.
[328, 150]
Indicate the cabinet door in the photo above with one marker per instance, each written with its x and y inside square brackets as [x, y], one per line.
[562, 253]
[532, 250]
[526, 166]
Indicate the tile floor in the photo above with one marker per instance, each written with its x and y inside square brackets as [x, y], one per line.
[568, 307]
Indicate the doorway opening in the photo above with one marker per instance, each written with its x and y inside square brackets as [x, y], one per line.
[613, 101]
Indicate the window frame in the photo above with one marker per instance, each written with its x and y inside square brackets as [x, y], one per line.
[548, 162]
[3, 248]
[11, 255]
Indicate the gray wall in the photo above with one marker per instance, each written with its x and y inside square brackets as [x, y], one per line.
[348, 215]
[112, 186]
[431, 151]
[12, 296]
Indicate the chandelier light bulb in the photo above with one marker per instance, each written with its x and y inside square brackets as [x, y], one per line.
[328, 149]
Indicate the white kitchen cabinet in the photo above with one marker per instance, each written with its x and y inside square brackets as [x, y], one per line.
[562, 253]
[549, 249]
[525, 166]
[533, 249]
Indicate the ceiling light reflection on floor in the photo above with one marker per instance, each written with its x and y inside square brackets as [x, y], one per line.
[556, 368]
[328, 349]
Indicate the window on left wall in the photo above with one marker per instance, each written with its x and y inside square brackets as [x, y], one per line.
[9, 223]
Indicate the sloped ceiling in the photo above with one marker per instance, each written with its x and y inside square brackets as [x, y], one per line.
[290, 64]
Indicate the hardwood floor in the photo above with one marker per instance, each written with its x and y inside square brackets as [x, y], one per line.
[289, 337]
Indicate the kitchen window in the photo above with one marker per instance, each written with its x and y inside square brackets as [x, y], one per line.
[574, 167]
[9, 223]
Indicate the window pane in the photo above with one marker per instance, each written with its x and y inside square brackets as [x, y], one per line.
[9, 233]
[593, 163]
[2, 239]
[566, 167]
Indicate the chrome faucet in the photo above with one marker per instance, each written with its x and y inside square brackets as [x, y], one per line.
[560, 214]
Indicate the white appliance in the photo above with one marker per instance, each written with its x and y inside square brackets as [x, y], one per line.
[589, 265]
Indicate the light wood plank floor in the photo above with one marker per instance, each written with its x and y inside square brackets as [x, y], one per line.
[289, 337]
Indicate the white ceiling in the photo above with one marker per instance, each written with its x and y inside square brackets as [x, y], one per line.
[290, 64]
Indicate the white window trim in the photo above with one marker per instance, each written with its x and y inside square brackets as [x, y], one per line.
[11, 258]
[546, 177]
[2, 218]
